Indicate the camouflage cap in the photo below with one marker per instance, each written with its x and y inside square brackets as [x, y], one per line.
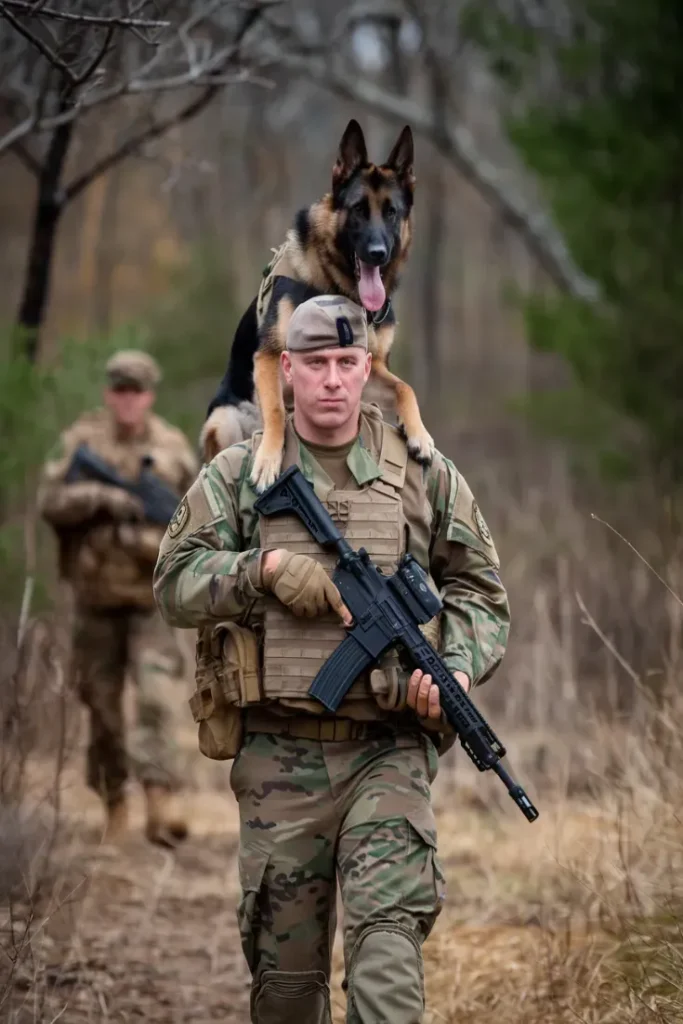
[327, 321]
[131, 368]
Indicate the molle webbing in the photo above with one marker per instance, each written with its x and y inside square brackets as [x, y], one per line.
[294, 648]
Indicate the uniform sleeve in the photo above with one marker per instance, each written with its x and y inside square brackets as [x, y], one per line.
[62, 504]
[465, 567]
[205, 572]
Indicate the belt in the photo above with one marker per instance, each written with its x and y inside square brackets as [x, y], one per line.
[307, 727]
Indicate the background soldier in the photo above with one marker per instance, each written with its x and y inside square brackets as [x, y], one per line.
[107, 553]
[323, 796]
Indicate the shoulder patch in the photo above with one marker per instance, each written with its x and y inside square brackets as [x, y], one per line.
[480, 523]
[179, 519]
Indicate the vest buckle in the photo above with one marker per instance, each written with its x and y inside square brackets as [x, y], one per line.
[340, 510]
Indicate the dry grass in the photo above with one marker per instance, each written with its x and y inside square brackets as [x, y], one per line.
[572, 919]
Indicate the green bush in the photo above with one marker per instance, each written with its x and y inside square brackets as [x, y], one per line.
[595, 111]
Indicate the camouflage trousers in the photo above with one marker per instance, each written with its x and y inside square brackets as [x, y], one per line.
[107, 646]
[312, 813]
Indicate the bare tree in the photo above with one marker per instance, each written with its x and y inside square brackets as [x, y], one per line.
[160, 62]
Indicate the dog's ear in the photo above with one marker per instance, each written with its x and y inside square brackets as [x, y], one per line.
[353, 153]
[400, 160]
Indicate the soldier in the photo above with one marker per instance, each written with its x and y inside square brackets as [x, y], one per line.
[324, 796]
[107, 554]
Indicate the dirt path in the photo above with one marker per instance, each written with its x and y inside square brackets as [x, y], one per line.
[138, 933]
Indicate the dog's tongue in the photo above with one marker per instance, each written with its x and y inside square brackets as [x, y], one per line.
[371, 287]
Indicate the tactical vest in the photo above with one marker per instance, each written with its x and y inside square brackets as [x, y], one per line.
[279, 266]
[294, 649]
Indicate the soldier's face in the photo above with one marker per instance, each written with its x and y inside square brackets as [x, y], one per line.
[129, 407]
[327, 384]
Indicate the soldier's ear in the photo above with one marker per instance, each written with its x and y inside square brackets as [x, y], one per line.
[286, 364]
[352, 154]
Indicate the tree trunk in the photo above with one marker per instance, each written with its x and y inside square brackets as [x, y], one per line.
[435, 237]
[49, 206]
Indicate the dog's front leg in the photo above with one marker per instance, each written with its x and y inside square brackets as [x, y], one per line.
[268, 387]
[419, 440]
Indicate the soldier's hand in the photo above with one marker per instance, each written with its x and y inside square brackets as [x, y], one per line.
[302, 584]
[423, 694]
[122, 505]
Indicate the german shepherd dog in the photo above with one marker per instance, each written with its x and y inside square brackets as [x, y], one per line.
[353, 242]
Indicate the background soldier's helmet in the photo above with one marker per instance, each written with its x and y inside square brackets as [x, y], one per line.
[131, 368]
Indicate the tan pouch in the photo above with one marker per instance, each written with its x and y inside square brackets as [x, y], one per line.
[388, 689]
[220, 724]
[240, 669]
[227, 677]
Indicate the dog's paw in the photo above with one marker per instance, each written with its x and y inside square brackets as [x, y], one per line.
[421, 446]
[266, 468]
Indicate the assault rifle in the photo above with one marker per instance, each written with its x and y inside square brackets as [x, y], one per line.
[158, 500]
[387, 611]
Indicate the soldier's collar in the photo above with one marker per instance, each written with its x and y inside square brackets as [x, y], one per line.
[362, 466]
[361, 462]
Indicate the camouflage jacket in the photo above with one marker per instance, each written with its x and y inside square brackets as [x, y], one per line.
[110, 562]
[209, 561]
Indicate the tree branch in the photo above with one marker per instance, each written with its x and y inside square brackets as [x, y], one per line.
[130, 146]
[108, 21]
[97, 59]
[158, 128]
[210, 73]
[457, 144]
[49, 55]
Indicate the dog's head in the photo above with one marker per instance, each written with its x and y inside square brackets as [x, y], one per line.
[373, 205]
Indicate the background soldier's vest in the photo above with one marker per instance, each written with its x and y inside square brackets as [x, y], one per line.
[296, 648]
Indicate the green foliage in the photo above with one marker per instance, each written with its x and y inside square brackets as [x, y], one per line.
[36, 403]
[190, 333]
[601, 124]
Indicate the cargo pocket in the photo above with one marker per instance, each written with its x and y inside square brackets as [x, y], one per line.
[429, 892]
[252, 866]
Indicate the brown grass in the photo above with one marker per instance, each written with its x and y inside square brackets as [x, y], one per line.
[572, 919]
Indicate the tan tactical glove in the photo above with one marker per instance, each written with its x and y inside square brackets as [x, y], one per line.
[302, 584]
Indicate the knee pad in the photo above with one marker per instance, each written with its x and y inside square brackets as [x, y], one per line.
[386, 980]
[290, 997]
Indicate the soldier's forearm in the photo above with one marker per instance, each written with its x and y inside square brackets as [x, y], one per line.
[199, 587]
[69, 504]
[474, 636]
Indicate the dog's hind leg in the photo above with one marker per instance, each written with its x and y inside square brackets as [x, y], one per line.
[419, 440]
[268, 386]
